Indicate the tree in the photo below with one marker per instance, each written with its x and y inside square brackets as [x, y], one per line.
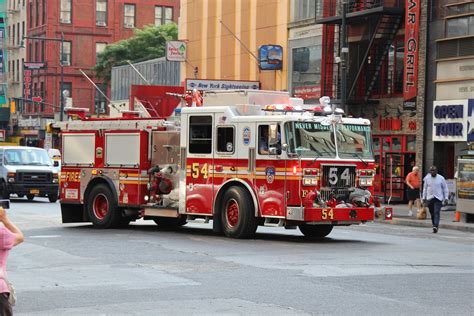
[148, 43]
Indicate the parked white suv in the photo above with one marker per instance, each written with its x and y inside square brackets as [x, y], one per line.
[27, 171]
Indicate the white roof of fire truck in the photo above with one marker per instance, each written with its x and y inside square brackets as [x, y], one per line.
[263, 106]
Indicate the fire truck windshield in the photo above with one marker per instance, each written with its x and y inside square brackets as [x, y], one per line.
[354, 141]
[310, 139]
[313, 140]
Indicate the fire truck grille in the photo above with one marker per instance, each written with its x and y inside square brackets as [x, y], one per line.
[34, 177]
[340, 194]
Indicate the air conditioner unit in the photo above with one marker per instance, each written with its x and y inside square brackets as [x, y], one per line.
[101, 23]
[65, 20]
[129, 25]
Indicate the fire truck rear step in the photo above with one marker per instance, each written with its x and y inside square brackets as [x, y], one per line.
[274, 222]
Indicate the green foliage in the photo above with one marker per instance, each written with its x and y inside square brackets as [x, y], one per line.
[148, 43]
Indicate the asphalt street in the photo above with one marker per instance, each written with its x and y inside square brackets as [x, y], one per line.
[372, 269]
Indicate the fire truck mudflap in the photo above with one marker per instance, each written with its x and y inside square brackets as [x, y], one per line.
[243, 159]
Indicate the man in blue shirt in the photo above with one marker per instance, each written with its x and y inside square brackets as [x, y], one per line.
[435, 194]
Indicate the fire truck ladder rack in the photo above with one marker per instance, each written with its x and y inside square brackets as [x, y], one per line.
[114, 124]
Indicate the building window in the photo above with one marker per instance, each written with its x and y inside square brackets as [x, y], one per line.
[163, 15]
[460, 26]
[67, 86]
[306, 71]
[101, 13]
[200, 135]
[13, 35]
[129, 16]
[37, 13]
[99, 48]
[44, 11]
[66, 9]
[30, 12]
[18, 70]
[99, 99]
[66, 54]
[37, 51]
[305, 9]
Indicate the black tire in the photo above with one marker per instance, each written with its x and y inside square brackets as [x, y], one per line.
[102, 208]
[30, 197]
[170, 222]
[52, 198]
[315, 231]
[238, 214]
[4, 195]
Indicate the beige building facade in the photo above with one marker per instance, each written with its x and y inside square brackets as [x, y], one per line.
[223, 38]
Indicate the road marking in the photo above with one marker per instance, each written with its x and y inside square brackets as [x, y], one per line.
[45, 236]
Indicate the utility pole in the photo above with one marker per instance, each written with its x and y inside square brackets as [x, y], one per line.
[61, 85]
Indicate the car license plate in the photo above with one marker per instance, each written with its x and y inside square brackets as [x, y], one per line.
[35, 191]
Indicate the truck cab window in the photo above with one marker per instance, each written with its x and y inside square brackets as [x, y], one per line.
[200, 134]
[225, 140]
[269, 140]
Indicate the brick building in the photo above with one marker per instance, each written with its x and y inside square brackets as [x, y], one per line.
[87, 26]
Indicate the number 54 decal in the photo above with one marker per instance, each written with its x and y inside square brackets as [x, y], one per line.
[334, 178]
[197, 172]
[327, 214]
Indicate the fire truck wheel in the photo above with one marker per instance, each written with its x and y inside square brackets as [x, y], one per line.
[52, 198]
[317, 231]
[30, 197]
[102, 208]
[238, 214]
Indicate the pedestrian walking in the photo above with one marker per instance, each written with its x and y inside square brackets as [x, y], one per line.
[435, 195]
[10, 236]
[413, 182]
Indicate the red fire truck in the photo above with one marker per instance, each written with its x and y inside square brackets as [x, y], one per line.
[243, 159]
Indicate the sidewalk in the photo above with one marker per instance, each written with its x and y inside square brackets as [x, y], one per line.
[400, 217]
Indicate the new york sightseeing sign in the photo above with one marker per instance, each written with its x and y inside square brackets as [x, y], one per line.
[410, 78]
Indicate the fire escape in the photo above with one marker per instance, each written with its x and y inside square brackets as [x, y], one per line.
[371, 27]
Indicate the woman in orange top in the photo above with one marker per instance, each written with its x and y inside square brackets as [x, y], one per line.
[413, 182]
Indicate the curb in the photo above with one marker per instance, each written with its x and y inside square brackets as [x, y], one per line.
[425, 223]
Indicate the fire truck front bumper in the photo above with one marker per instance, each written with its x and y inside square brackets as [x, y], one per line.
[331, 215]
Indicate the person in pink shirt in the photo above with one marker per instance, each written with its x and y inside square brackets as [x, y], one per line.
[10, 236]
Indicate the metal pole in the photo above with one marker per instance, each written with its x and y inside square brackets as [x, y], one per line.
[344, 51]
[62, 78]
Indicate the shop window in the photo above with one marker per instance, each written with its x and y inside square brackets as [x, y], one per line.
[225, 140]
[396, 144]
[305, 9]
[411, 143]
[200, 135]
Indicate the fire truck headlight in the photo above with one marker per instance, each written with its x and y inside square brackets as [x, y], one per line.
[306, 181]
[363, 182]
[369, 181]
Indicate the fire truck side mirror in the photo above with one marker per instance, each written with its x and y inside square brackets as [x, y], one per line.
[284, 147]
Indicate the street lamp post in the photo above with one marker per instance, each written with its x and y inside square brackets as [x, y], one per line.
[61, 85]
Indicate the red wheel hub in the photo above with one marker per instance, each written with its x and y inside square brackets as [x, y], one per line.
[101, 206]
[232, 212]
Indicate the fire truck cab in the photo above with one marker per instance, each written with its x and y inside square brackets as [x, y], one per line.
[243, 159]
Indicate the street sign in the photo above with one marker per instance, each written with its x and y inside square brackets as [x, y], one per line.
[176, 50]
[37, 99]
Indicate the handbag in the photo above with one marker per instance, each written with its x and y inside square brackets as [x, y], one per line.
[11, 289]
[421, 214]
